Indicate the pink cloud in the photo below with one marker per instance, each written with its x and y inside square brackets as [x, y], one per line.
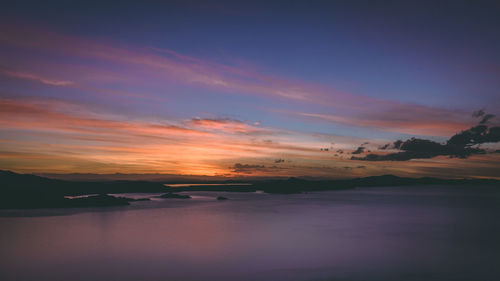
[35, 77]
[163, 63]
[415, 121]
[56, 116]
[159, 64]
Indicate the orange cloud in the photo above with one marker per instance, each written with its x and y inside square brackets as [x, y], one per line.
[227, 125]
[28, 115]
[63, 130]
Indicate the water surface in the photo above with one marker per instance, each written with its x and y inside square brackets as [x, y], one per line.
[397, 233]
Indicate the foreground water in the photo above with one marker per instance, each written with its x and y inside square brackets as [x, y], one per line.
[403, 233]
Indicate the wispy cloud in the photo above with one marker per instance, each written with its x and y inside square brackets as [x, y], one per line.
[73, 137]
[227, 125]
[415, 122]
[55, 116]
[62, 129]
[161, 64]
[35, 77]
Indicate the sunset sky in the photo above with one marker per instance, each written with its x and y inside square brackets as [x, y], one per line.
[297, 88]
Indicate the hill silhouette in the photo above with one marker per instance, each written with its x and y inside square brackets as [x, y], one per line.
[295, 185]
[30, 191]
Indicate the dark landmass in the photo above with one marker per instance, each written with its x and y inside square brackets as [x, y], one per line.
[132, 199]
[24, 183]
[151, 177]
[30, 191]
[30, 202]
[20, 191]
[296, 185]
[100, 200]
[223, 187]
[220, 198]
[175, 195]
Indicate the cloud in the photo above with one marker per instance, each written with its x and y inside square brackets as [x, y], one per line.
[59, 116]
[60, 128]
[35, 77]
[461, 145]
[486, 118]
[478, 113]
[158, 65]
[359, 150]
[225, 125]
[162, 63]
[250, 169]
[203, 145]
[351, 168]
[385, 146]
[400, 118]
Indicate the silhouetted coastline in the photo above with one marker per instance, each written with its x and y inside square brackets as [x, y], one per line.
[22, 191]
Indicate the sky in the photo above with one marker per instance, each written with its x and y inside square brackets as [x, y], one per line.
[321, 89]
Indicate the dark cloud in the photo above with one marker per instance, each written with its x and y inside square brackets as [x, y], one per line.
[479, 113]
[279, 160]
[385, 146]
[461, 145]
[340, 151]
[249, 168]
[397, 144]
[486, 118]
[238, 167]
[357, 167]
[359, 150]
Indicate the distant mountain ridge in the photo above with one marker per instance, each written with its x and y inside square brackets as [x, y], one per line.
[152, 177]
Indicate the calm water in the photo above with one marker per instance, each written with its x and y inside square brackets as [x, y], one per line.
[204, 184]
[366, 234]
